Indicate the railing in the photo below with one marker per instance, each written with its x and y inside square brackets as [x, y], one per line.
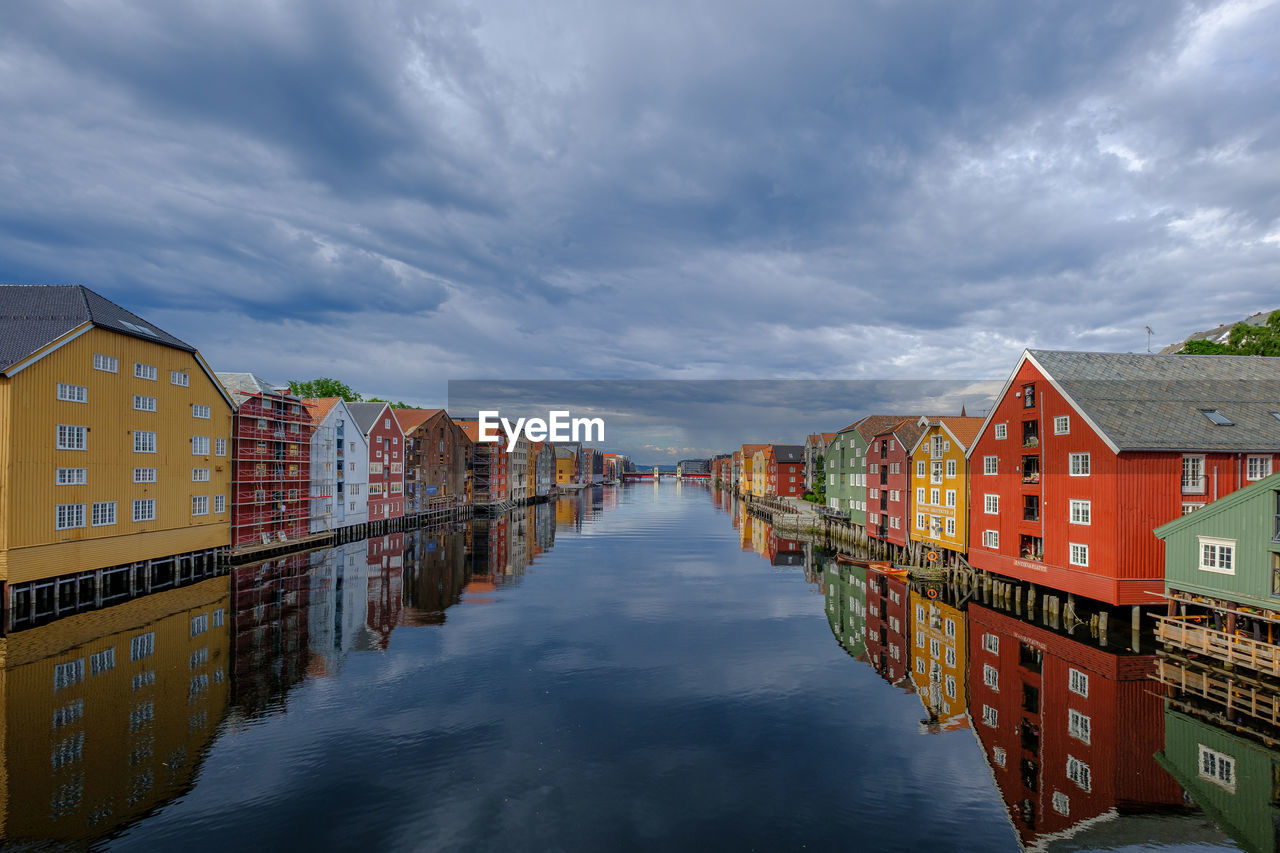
[1223, 688]
[1243, 651]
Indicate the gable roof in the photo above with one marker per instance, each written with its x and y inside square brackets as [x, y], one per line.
[35, 315]
[1157, 402]
[788, 453]
[320, 407]
[1221, 505]
[963, 430]
[411, 419]
[243, 386]
[872, 425]
[366, 414]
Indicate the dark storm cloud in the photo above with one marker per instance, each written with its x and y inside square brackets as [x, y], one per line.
[403, 192]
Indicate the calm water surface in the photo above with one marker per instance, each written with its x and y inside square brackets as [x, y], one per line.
[629, 668]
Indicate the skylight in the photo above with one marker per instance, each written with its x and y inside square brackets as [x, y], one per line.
[141, 329]
[1217, 417]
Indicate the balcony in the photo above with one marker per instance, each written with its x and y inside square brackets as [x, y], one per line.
[1030, 434]
[1030, 507]
[1031, 548]
[1257, 655]
[1031, 469]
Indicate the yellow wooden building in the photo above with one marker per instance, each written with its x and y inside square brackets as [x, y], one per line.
[940, 486]
[746, 481]
[113, 449]
[939, 660]
[106, 716]
[760, 472]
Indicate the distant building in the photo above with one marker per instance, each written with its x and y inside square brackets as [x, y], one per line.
[386, 458]
[889, 481]
[435, 459]
[785, 470]
[940, 485]
[339, 467]
[1218, 334]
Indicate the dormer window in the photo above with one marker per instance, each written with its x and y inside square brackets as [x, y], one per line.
[1217, 417]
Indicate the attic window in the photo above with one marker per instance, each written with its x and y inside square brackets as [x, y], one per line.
[140, 329]
[1217, 417]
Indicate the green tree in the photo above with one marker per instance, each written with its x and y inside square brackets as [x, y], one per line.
[324, 387]
[396, 405]
[1243, 339]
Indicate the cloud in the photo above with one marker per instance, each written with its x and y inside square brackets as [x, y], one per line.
[403, 193]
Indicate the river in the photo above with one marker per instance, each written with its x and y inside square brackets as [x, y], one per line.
[639, 667]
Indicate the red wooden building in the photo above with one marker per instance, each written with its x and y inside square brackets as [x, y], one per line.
[386, 458]
[1084, 454]
[488, 464]
[271, 496]
[1070, 730]
[786, 470]
[888, 627]
[889, 481]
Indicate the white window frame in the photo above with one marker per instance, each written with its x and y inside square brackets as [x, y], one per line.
[991, 504]
[143, 403]
[219, 447]
[1221, 559]
[73, 393]
[1081, 512]
[200, 475]
[1002, 431]
[1061, 804]
[149, 372]
[1079, 726]
[951, 527]
[991, 677]
[1193, 483]
[180, 378]
[69, 517]
[1079, 772]
[202, 412]
[990, 716]
[1261, 469]
[199, 504]
[990, 464]
[991, 643]
[1217, 767]
[144, 475]
[72, 477]
[106, 363]
[144, 509]
[1078, 682]
[991, 539]
[1062, 425]
[1078, 554]
[951, 469]
[71, 437]
[199, 445]
[103, 513]
[141, 444]
[951, 497]
[1079, 464]
[219, 504]
[921, 468]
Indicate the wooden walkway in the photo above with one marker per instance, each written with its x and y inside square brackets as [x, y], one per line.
[1234, 692]
[1258, 656]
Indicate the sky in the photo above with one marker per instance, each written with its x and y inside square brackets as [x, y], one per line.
[397, 194]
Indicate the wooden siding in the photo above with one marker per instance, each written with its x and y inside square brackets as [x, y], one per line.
[958, 542]
[29, 494]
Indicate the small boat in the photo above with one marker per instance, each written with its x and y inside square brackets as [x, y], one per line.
[879, 565]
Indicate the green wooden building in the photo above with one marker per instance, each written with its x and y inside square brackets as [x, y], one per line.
[846, 466]
[845, 588]
[1228, 551]
[1235, 780]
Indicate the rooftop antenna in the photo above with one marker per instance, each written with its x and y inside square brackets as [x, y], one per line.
[1149, 334]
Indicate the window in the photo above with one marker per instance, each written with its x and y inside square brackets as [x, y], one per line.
[199, 475]
[219, 617]
[920, 521]
[1218, 767]
[1258, 467]
[1078, 682]
[1078, 464]
[1217, 555]
[934, 497]
[998, 756]
[69, 516]
[69, 713]
[202, 412]
[144, 510]
[145, 371]
[920, 468]
[102, 661]
[72, 437]
[67, 674]
[1193, 480]
[1078, 772]
[920, 667]
[106, 363]
[920, 494]
[951, 468]
[951, 527]
[1062, 425]
[199, 504]
[178, 377]
[1217, 418]
[935, 473]
[950, 656]
[144, 442]
[1080, 512]
[1078, 725]
[104, 513]
[142, 646]
[199, 624]
[73, 393]
[144, 475]
[991, 538]
[991, 643]
[219, 503]
[1002, 430]
[1079, 554]
[1028, 396]
[1061, 804]
[989, 716]
[199, 445]
[219, 447]
[72, 476]
[951, 686]
[951, 497]
[143, 403]
[1188, 508]
[991, 677]
[991, 504]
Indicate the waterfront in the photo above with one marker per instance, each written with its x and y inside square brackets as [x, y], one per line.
[658, 670]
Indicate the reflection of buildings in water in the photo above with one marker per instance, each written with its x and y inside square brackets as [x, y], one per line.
[887, 628]
[107, 715]
[568, 513]
[782, 551]
[337, 605]
[845, 591]
[544, 528]
[1234, 778]
[435, 572]
[939, 659]
[269, 623]
[1069, 729]
[386, 573]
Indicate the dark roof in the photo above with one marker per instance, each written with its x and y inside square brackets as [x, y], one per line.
[1158, 402]
[872, 425]
[34, 315]
[788, 453]
[366, 415]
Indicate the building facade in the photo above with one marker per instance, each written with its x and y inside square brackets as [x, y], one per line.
[888, 462]
[435, 448]
[385, 439]
[114, 444]
[940, 485]
[339, 467]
